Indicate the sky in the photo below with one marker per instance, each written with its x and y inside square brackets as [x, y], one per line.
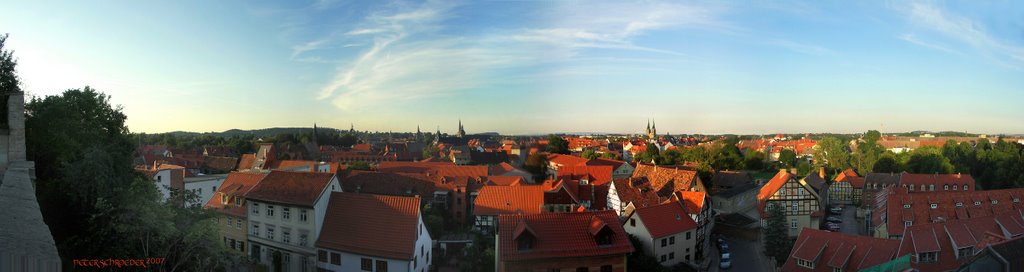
[525, 67]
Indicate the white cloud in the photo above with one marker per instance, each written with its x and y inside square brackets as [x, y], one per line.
[410, 56]
[964, 30]
[933, 45]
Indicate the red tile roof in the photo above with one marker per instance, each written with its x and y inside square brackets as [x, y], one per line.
[940, 236]
[693, 201]
[606, 162]
[566, 160]
[774, 185]
[838, 250]
[597, 175]
[920, 180]
[494, 200]
[237, 184]
[665, 219]
[920, 211]
[501, 168]
[296, 188]
[562, 235]
[665, 181]
[246, 161]
[371, 225]
[505, 180]
[640, 197]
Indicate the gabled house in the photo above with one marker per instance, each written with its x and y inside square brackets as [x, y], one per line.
[698, 207]
[585, 241]
[847, 188]
[798, 199]
[497, 200]
[286, 214]
[364, 232]
[229, 202]
[666, 232]
[819, 250]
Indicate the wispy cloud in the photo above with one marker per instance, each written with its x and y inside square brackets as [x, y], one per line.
[410, 55]
[963, 30]
[803, 48]
[937, 46]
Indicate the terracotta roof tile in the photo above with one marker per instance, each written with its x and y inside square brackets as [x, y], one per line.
[494, 200]
[562, 235]
[246, 161]
[286, 187]
[665, 219]
[372, 225]
[237, 184]
[839, 250]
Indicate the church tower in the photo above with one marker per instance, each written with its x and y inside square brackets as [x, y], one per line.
[419, 135]
[654, 131]
[462, 131]
[648, 131]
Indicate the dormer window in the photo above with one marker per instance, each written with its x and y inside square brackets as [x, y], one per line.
[977, 203]
[959, 204]
[908, 223]
[954, 187]
[1016, 200]
[525, 242]
[945, 187]
[912, 187]
[906, 206]
[804, 263]
[584, 182]
[933, 206]
[994, 202]
[931, 187]
[927, 257]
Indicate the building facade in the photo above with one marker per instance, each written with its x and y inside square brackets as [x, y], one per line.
[364, 232]
[796, 198]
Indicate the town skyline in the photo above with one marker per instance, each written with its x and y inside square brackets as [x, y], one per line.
[535, 67]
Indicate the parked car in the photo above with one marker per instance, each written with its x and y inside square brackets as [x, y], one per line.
[725, 262]
[723, 246]
[833, 227]
[834, 219]
[836, 210]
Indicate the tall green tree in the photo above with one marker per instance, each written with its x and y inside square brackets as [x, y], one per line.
[8, 79]
[832, 152]
[928, 160]
[886, 164]
[776, 235]
[96, 205]
[868, 152]
[787, 158]
[589, 154]
[557, 145]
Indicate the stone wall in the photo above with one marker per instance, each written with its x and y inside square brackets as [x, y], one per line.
[25, 240]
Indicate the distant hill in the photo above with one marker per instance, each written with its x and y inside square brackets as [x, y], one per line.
[263, 132]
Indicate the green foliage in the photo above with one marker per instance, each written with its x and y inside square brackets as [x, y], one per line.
[536, 163]
[832, 152]
[480, 255]
[8, 79]
[359, 166]
[638, 261]
[611, 156]
[431, 150]
[557, 145]
[868, 152]
[434, 219]
[589, 154]
[928, 160]
[92, 199]
[777, 243]
[787, 158]
[803, 168]
[886, 164]
[754, 160]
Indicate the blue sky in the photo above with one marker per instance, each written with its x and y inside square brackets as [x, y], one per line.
[535, 66]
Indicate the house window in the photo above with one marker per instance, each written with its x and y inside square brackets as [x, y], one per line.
[792, 223]
[994, 202]
[959, 204]
[804, 263]
[688, 235]
[321, 256]
[286, 260]
[836, 269]
[908, 223]
[933, 205]
[945, 187]
[302, 215]
[927, 257]
[931, 187]
[286, 213]
[270, 210]
[965, 252]
[671, 255]
[954, 187]
[366, 264]
[664, 258]
[664, 242]
[303, 238]
[256, 208]
[1016, 200]
[977, 203]
[286, 236]
[906, 206]
[672, 240]
[270, 233]
[238, 223]
[632, 222]
[382, 266]
[238, 201]
[335, 258]
[256, 230]
[912, 187]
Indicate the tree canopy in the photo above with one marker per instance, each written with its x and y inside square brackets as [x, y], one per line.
[557, 145]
